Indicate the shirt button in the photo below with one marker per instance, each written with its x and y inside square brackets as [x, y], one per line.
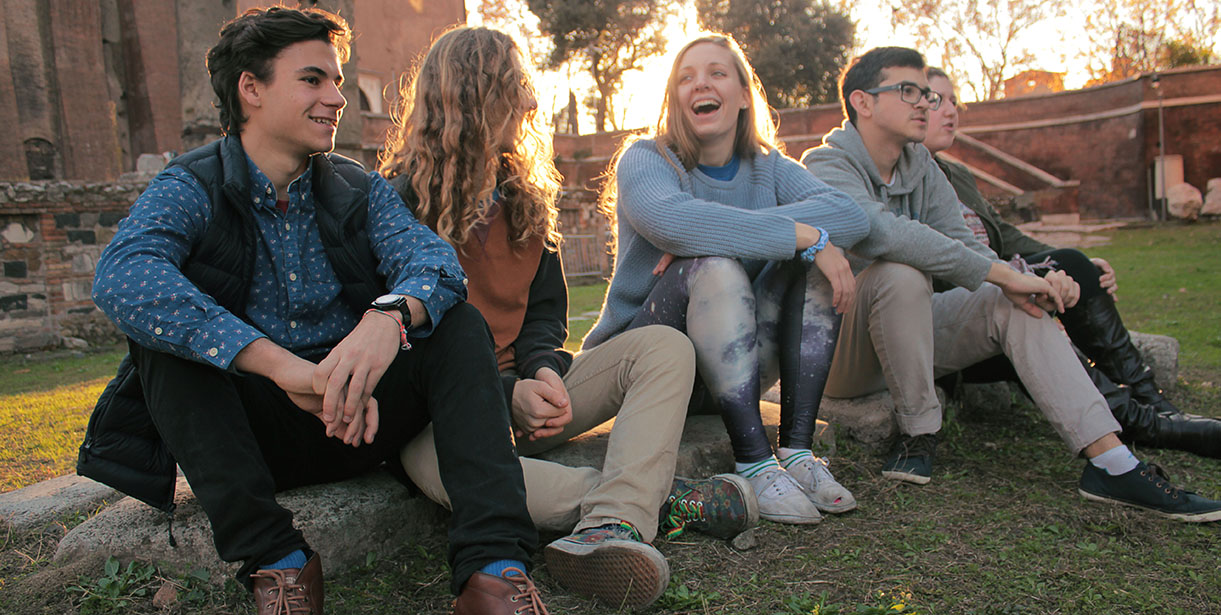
[292, 323]
[258, 200]
[426, 287]
[269, 190]
[212, 352]
[292, 276]
[157, 330]
[288, 227]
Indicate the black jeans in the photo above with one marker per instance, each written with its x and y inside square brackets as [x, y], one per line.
[238, 440]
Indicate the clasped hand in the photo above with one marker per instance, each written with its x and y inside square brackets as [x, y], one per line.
[541, 406]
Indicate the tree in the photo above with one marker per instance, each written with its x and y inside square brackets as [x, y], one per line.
[1130, 37]
[609, 37]
[797, 47]
[986, 33]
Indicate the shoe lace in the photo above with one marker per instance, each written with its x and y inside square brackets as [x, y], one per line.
[681, 511]
[288, 598]
[921, 445]
[1161, 480]
[527, 593]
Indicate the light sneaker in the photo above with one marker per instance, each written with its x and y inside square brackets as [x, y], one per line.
[814, 476]
[781, 499]
[610, 563]
[723, 505]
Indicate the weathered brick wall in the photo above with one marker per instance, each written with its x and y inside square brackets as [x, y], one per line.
[51, 234]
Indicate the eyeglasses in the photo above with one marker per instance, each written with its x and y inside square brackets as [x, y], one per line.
[910, 93]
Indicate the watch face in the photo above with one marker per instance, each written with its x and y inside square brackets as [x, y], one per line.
[389, 301]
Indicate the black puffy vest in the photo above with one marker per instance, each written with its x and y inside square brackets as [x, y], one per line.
[122, 447]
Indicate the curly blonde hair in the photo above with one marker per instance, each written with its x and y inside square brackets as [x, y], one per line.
[755, 134]
[465, 124]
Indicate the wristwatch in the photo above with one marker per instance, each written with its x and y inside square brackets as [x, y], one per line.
[807, 255]
[386, 303]
[396, 303]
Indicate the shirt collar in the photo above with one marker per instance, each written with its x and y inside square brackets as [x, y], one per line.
[263, 192]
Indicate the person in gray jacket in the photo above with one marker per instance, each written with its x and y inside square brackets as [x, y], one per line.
[900, 334]
[1091, 318]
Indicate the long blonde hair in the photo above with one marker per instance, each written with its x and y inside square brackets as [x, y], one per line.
[755, 130]
[468, 95]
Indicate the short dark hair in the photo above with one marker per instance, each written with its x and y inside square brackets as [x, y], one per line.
[252, 40]
[865, 71]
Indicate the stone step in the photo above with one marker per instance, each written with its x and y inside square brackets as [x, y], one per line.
[345, 521]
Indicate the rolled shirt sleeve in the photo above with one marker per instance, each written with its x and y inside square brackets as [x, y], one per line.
[413, 259]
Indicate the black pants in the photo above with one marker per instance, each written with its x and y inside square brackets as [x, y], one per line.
[238, 440]
[1078, 266]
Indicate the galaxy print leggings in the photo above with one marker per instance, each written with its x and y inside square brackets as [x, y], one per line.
[746, 334]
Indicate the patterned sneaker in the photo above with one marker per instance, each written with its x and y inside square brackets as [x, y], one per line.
[911, 459]
[610, 563]
[1147, 487]
[722, 506]
[815, 478]
[781, 499]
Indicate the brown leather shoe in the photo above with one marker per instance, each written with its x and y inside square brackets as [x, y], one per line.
[292, 591]
[485, 594]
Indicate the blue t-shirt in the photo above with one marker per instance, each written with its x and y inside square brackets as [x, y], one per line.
[724, 173]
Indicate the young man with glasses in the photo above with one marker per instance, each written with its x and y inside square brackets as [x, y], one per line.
[900, 334]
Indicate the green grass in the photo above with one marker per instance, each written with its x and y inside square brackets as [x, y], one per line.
[1168, 284]
[1000, 530]
[584, 302]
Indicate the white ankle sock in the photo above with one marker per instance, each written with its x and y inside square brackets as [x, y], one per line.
[786, 456]
[1116, 461]
[751, 470]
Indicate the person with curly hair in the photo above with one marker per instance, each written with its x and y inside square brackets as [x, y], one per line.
[469, 155]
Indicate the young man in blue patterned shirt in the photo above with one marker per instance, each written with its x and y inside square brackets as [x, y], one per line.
[291, 323]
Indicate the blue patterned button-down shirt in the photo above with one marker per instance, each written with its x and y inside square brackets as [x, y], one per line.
[295, 298]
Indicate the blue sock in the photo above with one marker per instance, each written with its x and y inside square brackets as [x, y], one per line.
[498, 567]
[296, 559]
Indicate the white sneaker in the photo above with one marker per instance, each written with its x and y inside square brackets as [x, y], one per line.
[814, 476]
[782, 500]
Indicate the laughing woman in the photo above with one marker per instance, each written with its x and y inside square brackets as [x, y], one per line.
[729, 241]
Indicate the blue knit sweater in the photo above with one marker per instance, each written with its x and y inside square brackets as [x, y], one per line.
[664, 208]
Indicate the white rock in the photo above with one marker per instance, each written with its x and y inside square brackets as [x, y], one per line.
[1184, 201]
[1212, 200]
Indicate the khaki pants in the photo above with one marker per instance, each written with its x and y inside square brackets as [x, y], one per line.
[642, 378]
[900, 335]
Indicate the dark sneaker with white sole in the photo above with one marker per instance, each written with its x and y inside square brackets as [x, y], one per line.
[911, 459]
[611, 563]
[1147, 487]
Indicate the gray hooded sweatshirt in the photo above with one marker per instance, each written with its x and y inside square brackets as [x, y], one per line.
[916, 220]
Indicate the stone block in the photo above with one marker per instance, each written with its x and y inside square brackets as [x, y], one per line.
[703, 451]
[1212, 198]
[1184, 201]
[869, 419]
[342, 521]
[37, 505]
[1161, 354]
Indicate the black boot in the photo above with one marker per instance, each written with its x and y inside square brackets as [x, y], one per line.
[1095, 327]
[1144, 425]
